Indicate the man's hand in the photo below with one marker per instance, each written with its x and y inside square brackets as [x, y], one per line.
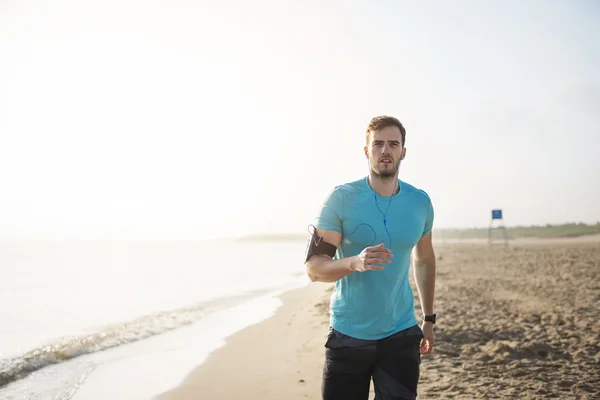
[427, 341]
[370, 256]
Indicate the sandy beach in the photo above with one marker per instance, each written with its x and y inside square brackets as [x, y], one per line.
[519, 322]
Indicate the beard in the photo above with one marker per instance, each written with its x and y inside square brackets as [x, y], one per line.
[385, 173]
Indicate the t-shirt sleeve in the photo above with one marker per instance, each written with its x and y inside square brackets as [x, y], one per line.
[429, 218]
[329, 216]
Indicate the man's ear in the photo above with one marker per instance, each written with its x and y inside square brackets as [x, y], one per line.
[366, 149]
[403, 153]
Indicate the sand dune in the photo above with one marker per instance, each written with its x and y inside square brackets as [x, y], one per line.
[519, 322]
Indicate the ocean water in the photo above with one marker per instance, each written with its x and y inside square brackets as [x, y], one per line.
[76, 316]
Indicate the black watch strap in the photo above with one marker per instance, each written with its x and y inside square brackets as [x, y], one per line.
[430, 318]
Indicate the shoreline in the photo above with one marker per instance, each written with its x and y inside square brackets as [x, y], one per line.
[281, 354]
[165, 356]
[168, 357]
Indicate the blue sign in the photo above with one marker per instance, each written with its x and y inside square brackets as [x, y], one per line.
[496, 214]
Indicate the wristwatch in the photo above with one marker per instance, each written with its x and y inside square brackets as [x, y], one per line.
[430, 318]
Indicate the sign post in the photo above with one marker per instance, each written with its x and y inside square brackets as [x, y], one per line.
[497, 225]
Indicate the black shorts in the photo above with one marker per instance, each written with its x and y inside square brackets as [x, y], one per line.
[393, 363]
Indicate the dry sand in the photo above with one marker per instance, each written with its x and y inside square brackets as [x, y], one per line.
[519, 322]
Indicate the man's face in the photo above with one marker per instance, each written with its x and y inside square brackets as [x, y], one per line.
[385, 150]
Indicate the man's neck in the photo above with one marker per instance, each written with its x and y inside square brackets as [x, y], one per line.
[384, 187]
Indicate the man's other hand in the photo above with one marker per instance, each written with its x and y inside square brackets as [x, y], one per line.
[427, 341]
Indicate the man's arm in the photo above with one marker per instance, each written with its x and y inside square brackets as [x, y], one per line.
[424, 272]
[322, 268]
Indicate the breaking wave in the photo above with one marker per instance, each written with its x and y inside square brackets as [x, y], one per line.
[112, 336]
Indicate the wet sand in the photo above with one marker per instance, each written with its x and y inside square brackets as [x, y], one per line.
[518, 322]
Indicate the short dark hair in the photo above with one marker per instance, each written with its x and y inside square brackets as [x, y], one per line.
[383, 121]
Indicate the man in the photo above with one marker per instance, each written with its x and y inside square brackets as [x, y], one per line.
[363, 240]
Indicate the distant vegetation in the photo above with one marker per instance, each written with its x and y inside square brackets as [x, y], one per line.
[545, 231]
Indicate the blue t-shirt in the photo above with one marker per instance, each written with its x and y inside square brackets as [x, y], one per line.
[375, 304]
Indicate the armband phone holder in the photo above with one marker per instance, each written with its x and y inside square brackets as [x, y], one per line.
[316, 245]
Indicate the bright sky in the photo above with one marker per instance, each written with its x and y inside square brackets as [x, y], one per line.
[183, 118]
